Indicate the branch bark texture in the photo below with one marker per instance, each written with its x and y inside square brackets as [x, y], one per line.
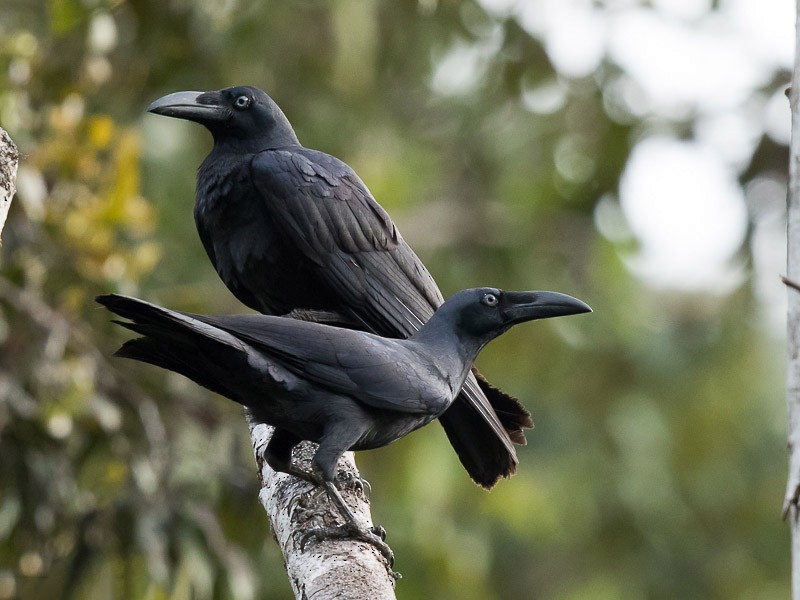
[790, 504]
[9, 159]
[324, 570]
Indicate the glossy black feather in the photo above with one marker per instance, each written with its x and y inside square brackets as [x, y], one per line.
[345, 389]
[287, 228]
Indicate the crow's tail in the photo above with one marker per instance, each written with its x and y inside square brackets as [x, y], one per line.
[179, 342]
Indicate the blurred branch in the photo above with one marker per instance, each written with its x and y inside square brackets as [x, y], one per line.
[9, 158]
[59, 328]
[48, 319]
[62, 332]
[792, 497]
[789, 282]
[323, 570]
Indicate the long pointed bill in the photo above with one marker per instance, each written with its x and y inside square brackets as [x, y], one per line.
[193, 106]
[519, 307]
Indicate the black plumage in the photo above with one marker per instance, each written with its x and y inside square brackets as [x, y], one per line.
[289, 228]
[344, 389]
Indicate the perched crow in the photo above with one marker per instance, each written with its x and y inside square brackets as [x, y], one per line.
[344, 389]
[294, 230]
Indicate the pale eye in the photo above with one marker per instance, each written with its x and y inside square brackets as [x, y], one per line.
[490, 300]
[241, 102]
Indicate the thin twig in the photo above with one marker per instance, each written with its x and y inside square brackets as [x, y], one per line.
[791, 283]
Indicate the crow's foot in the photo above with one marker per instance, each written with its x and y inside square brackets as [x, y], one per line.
[304, 506]
[373, 535]
[351, 529]
[351, 481]
[301, 474]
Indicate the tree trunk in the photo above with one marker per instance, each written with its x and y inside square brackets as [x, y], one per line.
[9, 158]
[322, 570]
[790, 504]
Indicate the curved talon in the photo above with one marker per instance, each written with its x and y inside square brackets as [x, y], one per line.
[365, 487]
[293, 503]
[379, 531]
[315, 533]
[359, 483]
[345, 531]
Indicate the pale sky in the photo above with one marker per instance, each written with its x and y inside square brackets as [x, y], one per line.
[680, 198]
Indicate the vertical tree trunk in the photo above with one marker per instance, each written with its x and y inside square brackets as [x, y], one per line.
[790, 505]
[9, 157]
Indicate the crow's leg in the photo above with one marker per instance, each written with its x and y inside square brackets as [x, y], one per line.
[351, 529]
[337, 439]
[278, 455]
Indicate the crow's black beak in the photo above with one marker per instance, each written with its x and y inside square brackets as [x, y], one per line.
[202, 107]
[519, 307]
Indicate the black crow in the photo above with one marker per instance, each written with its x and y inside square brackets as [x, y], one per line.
[344, 389]
[293, 230]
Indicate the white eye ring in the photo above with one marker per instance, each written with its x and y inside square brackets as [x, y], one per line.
[490, 300]
[241, 102]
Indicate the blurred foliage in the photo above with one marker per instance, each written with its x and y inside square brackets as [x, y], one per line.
[657, 466]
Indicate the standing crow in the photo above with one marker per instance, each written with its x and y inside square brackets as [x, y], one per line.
[344, 389]
[293, 229]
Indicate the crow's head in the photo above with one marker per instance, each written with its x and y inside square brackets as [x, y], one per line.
[484, 313]
[240, 115]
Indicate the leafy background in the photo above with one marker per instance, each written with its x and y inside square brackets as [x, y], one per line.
[657, 466]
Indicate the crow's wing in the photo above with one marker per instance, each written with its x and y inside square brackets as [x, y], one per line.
[330, 216]
[379, 372]
[221, 352]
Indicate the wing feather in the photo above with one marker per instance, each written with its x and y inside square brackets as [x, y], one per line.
[376, 371]
[337, 224]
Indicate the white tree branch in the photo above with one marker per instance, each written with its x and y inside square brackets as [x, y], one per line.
[323, 570]
[9, 158]
[790, 503]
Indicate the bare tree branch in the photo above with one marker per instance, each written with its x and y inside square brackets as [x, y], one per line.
[9, 159]
[322, 570]
[790, 502]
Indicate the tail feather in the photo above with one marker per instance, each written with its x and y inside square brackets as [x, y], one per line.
[180, 359]
[512, 414]
[482, 453]
[175, 341]
[169, 321]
